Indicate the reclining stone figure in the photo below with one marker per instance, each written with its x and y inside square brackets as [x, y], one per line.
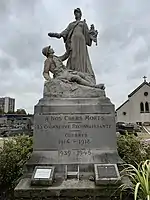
[55, 65]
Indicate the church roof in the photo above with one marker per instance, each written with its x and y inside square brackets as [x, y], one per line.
[122, 105]
[139, 87]
[134, 91]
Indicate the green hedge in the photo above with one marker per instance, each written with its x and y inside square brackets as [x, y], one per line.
[132, 150]
[13, 155]
[17, 150]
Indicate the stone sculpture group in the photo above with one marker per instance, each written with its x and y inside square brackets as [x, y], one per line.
[74, 140]
[77, 76]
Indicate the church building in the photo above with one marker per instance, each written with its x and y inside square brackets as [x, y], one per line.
[137, 108]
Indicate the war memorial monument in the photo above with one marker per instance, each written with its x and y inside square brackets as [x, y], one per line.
[75, 151]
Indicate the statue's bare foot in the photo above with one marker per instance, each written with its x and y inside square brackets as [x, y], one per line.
[100, 86]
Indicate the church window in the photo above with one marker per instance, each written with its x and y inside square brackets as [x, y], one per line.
[141, 107]
[146, 107]
[124, 113]
[145, 94]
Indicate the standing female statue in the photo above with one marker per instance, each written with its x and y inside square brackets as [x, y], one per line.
[76, 38]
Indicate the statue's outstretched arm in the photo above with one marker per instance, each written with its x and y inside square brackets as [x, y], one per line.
[64, 56]
[63, 34]
[56, 35]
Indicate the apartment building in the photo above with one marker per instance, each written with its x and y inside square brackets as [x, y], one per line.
[7, 104]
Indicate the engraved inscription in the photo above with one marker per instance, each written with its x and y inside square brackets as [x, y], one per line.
[107, 172]
[78, 152]
[55, 126]
[65, 132]
[73, 122]
[77, 141]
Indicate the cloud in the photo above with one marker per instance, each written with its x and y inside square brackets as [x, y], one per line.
[120, 60]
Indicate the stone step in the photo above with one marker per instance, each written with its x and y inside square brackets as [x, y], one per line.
[72, 174]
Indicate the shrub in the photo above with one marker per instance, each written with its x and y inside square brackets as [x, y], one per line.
[13, 155]
[140, 178]
[130, 149]
[147, 150]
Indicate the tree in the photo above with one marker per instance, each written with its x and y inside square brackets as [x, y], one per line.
[2, 111]
[10, 112]
[21, 111]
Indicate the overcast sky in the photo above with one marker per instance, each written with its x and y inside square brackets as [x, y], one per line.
[120, 60]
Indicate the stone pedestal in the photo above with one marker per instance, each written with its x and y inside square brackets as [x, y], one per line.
[72, 132]
[68, 190]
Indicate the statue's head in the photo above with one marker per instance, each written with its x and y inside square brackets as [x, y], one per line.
[47, 51]
[77, 13]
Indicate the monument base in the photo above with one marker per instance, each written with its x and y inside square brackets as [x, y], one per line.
[68, 189]
[69, 131]
[72, 135]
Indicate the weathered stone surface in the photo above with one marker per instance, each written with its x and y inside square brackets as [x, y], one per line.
[55, 88]
[61, 75]
[76, 37]
[106, 174]
[67, 83]
[74, 123]
[75, 105]
[70, 189]
[74, 131]
[61, 188]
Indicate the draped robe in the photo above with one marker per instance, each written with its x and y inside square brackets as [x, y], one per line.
[76, 37]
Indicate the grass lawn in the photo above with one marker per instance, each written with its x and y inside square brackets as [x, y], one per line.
[143, 136]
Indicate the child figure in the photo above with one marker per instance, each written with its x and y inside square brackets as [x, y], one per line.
[93, 33]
